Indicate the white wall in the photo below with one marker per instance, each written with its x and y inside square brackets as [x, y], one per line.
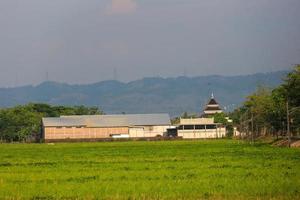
[202, 134]
[147, 131]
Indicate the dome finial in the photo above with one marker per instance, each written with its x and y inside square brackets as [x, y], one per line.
[212, 95]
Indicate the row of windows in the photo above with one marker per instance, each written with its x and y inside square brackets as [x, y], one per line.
[196, 127]
[70, 127]
[181, 127]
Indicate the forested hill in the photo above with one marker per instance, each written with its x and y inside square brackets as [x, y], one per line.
[148, 95]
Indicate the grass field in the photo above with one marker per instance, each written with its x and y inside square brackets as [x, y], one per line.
[217, 169]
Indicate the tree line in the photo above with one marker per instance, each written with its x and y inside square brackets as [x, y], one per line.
[273, 112]
[23, 123]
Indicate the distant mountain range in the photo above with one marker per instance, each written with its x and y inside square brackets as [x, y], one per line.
[148, 95]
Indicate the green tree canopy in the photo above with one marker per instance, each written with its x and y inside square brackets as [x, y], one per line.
[22, 122]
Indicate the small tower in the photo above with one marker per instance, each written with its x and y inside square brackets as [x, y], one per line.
[212, 107]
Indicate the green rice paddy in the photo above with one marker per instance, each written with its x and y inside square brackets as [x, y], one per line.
[204, 169]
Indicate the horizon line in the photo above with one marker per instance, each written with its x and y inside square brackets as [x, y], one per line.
[146, 77]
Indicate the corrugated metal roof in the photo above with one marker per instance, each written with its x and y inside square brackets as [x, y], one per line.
[109, 120]
[149, 119]
[57, 121]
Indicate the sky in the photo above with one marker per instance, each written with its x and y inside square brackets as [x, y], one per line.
[76, 41]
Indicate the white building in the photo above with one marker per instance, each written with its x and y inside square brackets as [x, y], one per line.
[200, 128]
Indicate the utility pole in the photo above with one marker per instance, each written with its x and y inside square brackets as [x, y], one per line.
[243, 124]
[288, 123]
[252, 128]
[241, 127]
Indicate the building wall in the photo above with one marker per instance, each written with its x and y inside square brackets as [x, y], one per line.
[212, 112]
[202, 134]
[98, 133]
[199, 121]
[82, 133]
[136, 132]
[147, 131]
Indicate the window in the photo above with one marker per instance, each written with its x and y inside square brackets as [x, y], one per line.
[200, 127]
[211, 126]
[180, 127]
[188, 127]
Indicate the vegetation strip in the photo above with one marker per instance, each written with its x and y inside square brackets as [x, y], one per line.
[214, 169]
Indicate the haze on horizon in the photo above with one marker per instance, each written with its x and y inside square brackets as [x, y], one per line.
[79, 41]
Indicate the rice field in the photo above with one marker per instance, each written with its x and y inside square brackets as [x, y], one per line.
[204, 169]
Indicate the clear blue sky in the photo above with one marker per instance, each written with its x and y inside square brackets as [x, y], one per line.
[79, 41]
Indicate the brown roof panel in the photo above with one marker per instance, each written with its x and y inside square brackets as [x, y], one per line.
[212, 102]
[212, 108]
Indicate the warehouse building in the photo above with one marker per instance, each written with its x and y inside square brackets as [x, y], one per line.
[105, 126]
